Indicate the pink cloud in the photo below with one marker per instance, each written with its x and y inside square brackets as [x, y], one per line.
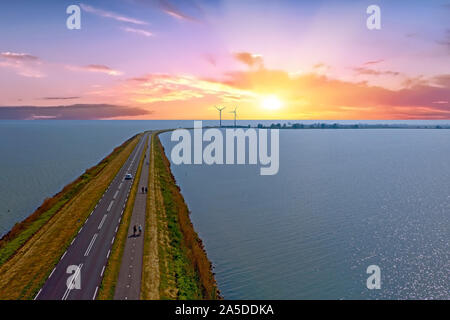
[26, 65]
[111, 15]
[141, 32]
[95, 68]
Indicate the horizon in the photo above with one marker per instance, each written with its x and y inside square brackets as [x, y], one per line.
[161, 59]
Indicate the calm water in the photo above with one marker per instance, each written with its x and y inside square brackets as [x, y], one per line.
[342, 200]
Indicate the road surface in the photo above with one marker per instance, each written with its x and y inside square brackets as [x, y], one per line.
[128, 285]
[78, 274]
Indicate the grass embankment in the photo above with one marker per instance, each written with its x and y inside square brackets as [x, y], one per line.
[111, 274]
[33, 247]
[184, 269]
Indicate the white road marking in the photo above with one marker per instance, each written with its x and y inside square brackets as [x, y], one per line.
[120, 185]
[37, 294]
[63, 256]
[90, 245]
[115, 195]
[95, 293]
[107, 256]
[110, 206]
[103, 270]
[101, 222]
[52, 272]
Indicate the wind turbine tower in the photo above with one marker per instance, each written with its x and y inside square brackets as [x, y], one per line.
[234, 115]
[220, 115]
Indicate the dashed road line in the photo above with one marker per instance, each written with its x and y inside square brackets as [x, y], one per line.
[110, 206]
[95, 293]
[101, 222]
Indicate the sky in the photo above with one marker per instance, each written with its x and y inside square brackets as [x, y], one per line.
[270, 59]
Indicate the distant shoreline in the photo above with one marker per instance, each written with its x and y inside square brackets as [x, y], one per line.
[322, 125]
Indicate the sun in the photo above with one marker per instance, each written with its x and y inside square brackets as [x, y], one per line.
[271, 102]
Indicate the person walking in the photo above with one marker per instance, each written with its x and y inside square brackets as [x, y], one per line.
[140, 229]
[146, 190]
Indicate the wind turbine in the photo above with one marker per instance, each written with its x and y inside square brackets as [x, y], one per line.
[220, 113]
[234, 116]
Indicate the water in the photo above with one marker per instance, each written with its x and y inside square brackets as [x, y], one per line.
[342, 200]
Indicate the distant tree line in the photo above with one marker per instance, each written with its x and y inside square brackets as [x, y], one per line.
[322, 125]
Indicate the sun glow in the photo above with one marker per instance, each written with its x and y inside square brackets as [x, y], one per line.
[271, 103]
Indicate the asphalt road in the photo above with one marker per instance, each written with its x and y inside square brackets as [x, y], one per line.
[128, 285]
[78, 274]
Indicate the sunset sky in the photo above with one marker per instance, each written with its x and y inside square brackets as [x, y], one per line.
[273, 59]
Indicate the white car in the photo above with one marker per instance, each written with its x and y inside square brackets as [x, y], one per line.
[128, 176]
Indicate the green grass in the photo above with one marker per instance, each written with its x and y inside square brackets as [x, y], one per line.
[179, 265]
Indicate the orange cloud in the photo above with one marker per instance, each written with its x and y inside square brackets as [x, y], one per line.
[303, 96]
[249, 59]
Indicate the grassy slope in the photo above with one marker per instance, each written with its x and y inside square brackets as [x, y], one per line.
[36, 245]
[108, 285]
[150, 268]
[185, 271]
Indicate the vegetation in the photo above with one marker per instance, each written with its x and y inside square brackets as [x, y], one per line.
[111, 274]
[185, 271]
[323, 125]
[33, 247]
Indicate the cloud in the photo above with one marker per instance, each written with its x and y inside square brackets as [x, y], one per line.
[26, 65]
[318, 96]
[249, 59]
[141, 32]
[59, 98]
[365, 69]
[95, 68]
[19, 56]
[111, 15]
[372, 62]
[321, 68]
[446, 40]
[305, 96]
[173, 11]
[72, 112]
[154, 88]
[373, 72]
